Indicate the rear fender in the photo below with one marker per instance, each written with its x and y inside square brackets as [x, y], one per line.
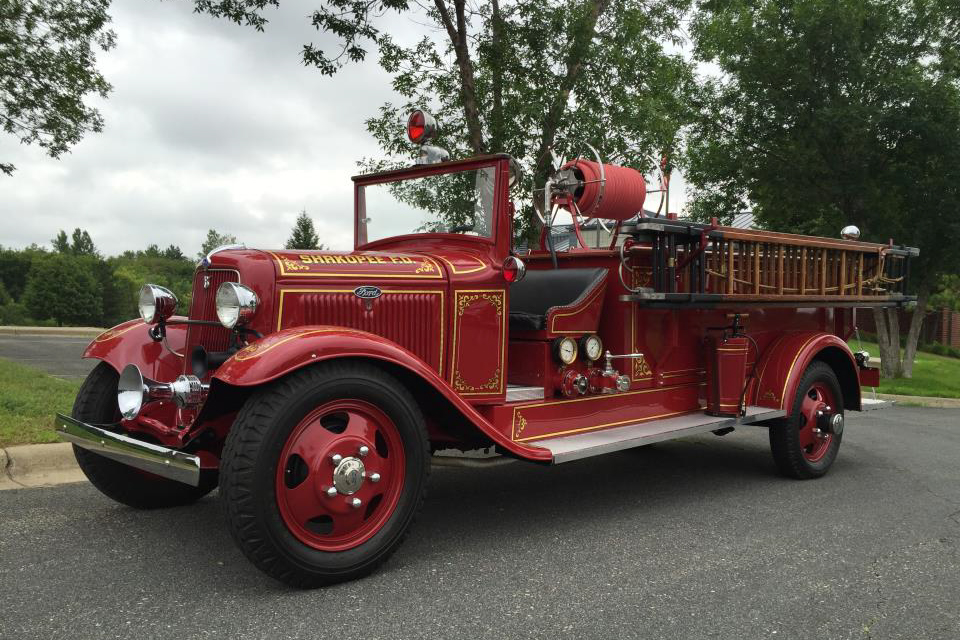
[784, 361]
[129, 343]
[288, 350]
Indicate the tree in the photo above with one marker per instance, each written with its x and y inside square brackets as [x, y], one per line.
[214, 240]
[61, 244]
[64, 288]
[303, 235]
[173, 253]
[48, 68]
[83, 243]
[518, 77]
[832, 113]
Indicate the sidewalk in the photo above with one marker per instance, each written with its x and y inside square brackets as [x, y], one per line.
[79, 332]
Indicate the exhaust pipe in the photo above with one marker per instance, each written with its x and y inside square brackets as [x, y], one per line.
[134, 391]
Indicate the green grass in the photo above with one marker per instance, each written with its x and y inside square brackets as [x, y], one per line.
[28, 400]
[933, 375]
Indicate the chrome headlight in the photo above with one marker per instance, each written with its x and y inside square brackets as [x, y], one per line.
[156, 303]
[236, 304]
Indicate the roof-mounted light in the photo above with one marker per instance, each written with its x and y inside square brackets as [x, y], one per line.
[421, 126]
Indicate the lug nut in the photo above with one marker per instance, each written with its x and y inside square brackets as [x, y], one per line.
[356, 502]
[336, 458]
[363, 451]
[374, 477]
[332, 492]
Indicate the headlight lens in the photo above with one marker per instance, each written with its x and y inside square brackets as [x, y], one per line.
[236, 304]
[156, 303]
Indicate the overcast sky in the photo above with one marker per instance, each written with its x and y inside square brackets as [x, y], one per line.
[209, 125]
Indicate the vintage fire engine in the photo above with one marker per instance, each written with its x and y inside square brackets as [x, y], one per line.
[315, 388]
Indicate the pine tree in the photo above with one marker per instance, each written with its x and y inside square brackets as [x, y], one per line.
[304, 236]
[214, 240]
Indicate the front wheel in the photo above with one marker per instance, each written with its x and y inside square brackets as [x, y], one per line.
[806, 444]
[323, 473]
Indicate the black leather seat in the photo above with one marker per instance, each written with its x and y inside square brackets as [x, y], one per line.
[540, 291]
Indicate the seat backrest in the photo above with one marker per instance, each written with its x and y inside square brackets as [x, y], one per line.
[539, 291]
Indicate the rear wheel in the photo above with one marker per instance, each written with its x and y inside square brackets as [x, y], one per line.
[323, 473]
[96, 404]
[806, 444]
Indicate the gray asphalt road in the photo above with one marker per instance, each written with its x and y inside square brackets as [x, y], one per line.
[57, 355]
[690, 539]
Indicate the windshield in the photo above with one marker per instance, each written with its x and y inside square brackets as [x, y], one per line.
[459, 202]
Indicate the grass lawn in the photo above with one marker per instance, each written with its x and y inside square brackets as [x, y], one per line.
[28, 400]
[933, 375]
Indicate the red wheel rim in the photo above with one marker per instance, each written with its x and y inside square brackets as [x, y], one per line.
[316, 492]
[814, 441]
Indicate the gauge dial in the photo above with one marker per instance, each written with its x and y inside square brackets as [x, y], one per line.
[565, 349]
[592, 347]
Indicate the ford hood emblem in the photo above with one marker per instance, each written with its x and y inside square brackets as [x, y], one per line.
[367, 293]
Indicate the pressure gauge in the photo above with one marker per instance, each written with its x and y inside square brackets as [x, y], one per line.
[592, 347]
[565, 349]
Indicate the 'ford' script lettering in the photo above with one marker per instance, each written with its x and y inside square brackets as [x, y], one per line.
[367, 293]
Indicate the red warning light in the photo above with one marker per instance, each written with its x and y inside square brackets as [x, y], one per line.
[421, 126]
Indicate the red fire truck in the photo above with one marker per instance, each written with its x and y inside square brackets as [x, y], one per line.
[316, 388]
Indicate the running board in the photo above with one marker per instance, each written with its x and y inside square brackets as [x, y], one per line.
[585, 445]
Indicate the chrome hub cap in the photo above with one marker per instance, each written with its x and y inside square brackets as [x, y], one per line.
[348, 476]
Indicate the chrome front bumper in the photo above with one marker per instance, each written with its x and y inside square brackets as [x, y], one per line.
[168, 463]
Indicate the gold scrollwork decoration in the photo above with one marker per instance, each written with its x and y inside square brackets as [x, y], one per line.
[521, 425]
[290, 265]
[492, 385]
[640, 368]
[425, 267]
[496, 299]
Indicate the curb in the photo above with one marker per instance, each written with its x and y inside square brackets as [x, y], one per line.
[38, 465]
[76, 332]
[921, 401]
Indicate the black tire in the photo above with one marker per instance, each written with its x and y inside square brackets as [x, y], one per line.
[96, 404]
[253, 450]
[785, 433]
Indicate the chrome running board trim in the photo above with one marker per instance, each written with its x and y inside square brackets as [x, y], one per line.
[518, 393]
[168, 463]
[585, 445]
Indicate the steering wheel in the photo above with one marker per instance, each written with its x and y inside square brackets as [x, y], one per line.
[460, 228]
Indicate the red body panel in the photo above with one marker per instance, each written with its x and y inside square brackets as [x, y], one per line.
[129, 343]
[783, 363]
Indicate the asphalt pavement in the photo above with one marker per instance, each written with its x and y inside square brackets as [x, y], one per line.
[697, 538]
[57, 355]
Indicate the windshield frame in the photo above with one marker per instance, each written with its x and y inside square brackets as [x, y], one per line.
[499, 162]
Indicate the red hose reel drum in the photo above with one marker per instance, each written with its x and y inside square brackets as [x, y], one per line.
[620, 199]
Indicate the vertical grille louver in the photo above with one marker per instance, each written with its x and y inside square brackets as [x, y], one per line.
[412, 320]
[203, 307]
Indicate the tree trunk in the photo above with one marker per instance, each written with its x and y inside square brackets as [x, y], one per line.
[888, 339]
[468, 86]
[913, 335]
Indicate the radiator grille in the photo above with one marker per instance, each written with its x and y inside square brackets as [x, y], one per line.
[203, 307]
[412, 320]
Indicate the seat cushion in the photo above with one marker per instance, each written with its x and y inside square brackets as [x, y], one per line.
[540, 291]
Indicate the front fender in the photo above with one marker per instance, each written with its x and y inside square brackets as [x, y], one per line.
[784, 361]
[129, 343]
[286, 351]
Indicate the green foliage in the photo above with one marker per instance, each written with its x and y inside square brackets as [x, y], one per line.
[48, 68]
[303, 236]
[829, 113]
[14, 266]
[934, 376]
[213, 240]
[61, 243]
[63, 288]
[947, 295]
